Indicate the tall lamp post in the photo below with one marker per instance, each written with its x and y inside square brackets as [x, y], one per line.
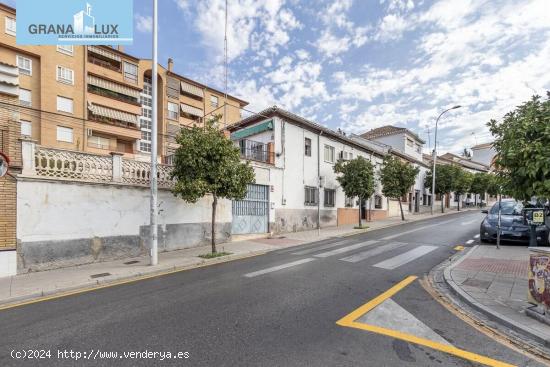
[435, 155]
[153, 209]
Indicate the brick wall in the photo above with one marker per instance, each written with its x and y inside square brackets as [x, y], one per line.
[10, 131]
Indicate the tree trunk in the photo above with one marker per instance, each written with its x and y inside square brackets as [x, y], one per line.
[458, 204]
[443, 197]
[214, 205]
[360, 203]
[401, 208]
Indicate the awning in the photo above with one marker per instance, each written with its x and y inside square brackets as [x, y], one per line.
[185, 108]
[104, 53]
[113, 114]
[112, 86]
[253, 130]
[192, 89]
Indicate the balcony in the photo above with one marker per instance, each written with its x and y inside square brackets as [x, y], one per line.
[256, 151]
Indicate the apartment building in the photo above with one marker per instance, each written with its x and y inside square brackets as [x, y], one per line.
[98, 99]
[296, 187]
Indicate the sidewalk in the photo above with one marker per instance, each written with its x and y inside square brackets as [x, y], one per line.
[495, 283]
[71, 279]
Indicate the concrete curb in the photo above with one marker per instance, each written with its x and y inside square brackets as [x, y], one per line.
[493, 315]
[120, 279]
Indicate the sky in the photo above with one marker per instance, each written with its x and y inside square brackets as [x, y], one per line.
[361, 64]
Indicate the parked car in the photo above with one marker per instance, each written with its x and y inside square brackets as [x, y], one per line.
[513, 227]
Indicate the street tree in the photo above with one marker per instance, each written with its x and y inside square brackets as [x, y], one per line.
[397, 178]
[522, 142]
[480, 185]
[445, 175]
[463, 183]
[356, 177]
[207, 162]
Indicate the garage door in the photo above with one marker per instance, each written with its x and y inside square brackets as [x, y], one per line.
[251, 215]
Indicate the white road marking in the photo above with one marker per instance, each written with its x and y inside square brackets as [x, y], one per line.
[469, 242]
[323, 247]
[390, 315]
[468, 222]
[416, 229]
[404, 258]
[279, 267]
[476, 236]
[341, 250]
[374, 252]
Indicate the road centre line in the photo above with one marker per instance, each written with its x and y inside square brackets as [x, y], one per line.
[278, 267]
[476, 236]
[349, 321]
[469, 242]
[373, 252]
[341, 250]
[416, 229]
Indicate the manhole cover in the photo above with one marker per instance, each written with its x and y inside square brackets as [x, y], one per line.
[478, 283]
[131, 262]
[100, 275]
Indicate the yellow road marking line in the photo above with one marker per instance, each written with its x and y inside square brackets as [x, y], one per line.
[116, 283]
[349, 321]
[459, 248]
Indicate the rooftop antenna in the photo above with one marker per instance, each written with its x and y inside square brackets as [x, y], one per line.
[429, 140]
[225, 69]
[475, 136]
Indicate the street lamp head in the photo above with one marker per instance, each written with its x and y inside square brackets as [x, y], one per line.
[455, 107]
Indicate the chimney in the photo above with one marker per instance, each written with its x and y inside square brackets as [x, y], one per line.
[120, 48]
[170, 64]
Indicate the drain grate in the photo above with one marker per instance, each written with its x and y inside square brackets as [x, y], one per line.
[131, 262]
[99, 275]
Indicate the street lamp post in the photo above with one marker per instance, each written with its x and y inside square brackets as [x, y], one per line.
[153, 209]
[435, 155]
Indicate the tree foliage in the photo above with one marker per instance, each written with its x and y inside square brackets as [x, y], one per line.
[397, 178]
[445, 180]
[356, 177]
[462, 183]
[207, 162]
[522, 142]
[480, 183]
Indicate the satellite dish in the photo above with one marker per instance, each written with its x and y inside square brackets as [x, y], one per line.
[4, 164]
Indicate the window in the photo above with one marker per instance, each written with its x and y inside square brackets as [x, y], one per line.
[99, 142]
[130, 72]
[145, 123]
[307, 147]
[66, 49]
[378, 201]
[310, 195]
[65, 134]
[350, 156]
[65, 75]
[147, 112]
[25, 98]
[329, 197]
[173, 111]
[10, 26]
[214, 101]
[24, 64]
[329, 154]
[64, 104]
[146, 116]
[419, 149]
[410, 143]
[26, 128]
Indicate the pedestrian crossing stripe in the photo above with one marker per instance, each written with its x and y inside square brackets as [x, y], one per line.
[351, 321]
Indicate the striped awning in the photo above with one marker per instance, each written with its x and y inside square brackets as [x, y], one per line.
[112, 86]
[113, 114]
[105, 53]
[192, 89]
[185, 108]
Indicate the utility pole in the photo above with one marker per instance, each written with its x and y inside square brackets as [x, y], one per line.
[154, 140]
[435, 156]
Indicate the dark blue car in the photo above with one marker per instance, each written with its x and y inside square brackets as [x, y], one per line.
[513, 227]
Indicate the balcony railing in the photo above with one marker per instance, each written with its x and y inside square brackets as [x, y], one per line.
[256, 151]
[103, 63]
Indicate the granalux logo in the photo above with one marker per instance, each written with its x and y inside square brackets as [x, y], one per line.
[70, 22]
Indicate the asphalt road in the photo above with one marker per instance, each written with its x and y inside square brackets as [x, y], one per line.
[279, 309]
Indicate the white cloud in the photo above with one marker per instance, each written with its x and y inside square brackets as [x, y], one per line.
[144, 23]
